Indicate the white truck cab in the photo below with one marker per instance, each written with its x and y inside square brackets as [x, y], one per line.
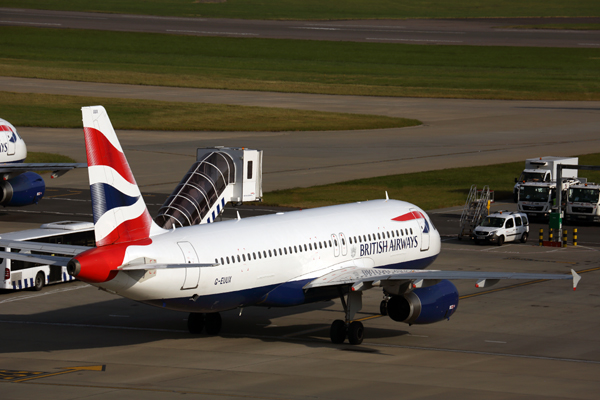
[502, 226]
[583, 203]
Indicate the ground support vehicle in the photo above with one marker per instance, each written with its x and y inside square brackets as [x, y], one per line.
[24, 274]
[538, 199]
[543, 169]
[583, 203]
[501, 227]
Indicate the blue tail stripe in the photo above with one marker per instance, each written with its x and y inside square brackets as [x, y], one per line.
[105, 197]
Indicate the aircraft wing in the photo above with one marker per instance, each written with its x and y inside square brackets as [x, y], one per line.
[49, 248]
[57, 168]
[36, 258]
[366, 278]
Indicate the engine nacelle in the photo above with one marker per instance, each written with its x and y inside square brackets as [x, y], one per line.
[22, 190]
[424, 305]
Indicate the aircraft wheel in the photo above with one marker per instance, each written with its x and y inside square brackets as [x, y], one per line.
[39, 281]
[196, 323]
[337, 333]
[383, 308]
[500, 240]
[213, 323]
[356, 332]
[524, 237]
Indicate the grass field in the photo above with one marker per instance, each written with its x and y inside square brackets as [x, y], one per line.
[54, 111]
[39, 157]
[330, 9]
[302, 66]
[429, 190]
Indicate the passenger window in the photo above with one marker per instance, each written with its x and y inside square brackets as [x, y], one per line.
[254, 254]
[411, 231]
[239, 259]
[259, 255]
[525, 222]
[222, 263]
[295, 249]
[378, 236]
[265, 253]
[244, 257]
[216, 260]
[310, 246]
[305, 248]
[343, 242]
[330, 243]
[285, 250]
[300, 248]
[518, 221]
[350, 239]
[227, 258]
[369, 238]
[233, 259]
[388, 233]
[393, 234]
[320, 245]
[510, 223]
[336, 243]
[270, 253]
[280, 252]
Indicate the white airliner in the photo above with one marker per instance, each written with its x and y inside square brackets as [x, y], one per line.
[278, 260]
[20, 186]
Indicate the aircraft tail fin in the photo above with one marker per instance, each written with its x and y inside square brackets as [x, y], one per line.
[120, 213]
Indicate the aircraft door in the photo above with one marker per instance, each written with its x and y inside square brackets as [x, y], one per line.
[336, 245]
[192, 274]
[344, 245]
[424, 227]
[11, 143]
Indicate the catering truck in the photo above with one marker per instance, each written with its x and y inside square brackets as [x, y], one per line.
[583, 203]
[543, 169]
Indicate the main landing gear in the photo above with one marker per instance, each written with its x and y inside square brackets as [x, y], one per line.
[353, 330]
[197, 322]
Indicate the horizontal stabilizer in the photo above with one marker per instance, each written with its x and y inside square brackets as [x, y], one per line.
[36, 258]
[138, 267]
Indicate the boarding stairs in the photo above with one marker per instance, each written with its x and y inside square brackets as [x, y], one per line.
[219, 176]
[476, 208]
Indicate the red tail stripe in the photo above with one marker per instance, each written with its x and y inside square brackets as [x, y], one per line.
[129, 231]
[101, 152]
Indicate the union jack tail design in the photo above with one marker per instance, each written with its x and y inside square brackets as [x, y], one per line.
[120, 213]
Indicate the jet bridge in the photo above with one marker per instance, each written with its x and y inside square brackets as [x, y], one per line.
[219, 176]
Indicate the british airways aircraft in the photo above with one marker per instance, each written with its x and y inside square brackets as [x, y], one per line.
[279, 260]
[20, 186]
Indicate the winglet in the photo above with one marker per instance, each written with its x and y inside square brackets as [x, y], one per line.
[576, 279]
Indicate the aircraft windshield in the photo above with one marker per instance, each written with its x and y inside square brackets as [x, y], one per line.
[582, 195]
[532, 193]
[532, 177]
[493, 222]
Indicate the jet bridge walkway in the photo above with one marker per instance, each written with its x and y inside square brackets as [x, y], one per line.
[219, 176]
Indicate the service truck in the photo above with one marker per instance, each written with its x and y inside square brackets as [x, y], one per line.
[538, 199]
[543, 169]
[583, 202]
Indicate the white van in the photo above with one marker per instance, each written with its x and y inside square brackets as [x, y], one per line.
[502, 226]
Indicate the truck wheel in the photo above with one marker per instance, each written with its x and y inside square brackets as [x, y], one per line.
[524, 237]
[500, 240]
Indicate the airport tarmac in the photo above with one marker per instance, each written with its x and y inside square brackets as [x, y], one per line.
[534, 340]
[470, 31]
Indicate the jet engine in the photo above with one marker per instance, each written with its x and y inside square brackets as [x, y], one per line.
[22, 190]
[424, 305]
